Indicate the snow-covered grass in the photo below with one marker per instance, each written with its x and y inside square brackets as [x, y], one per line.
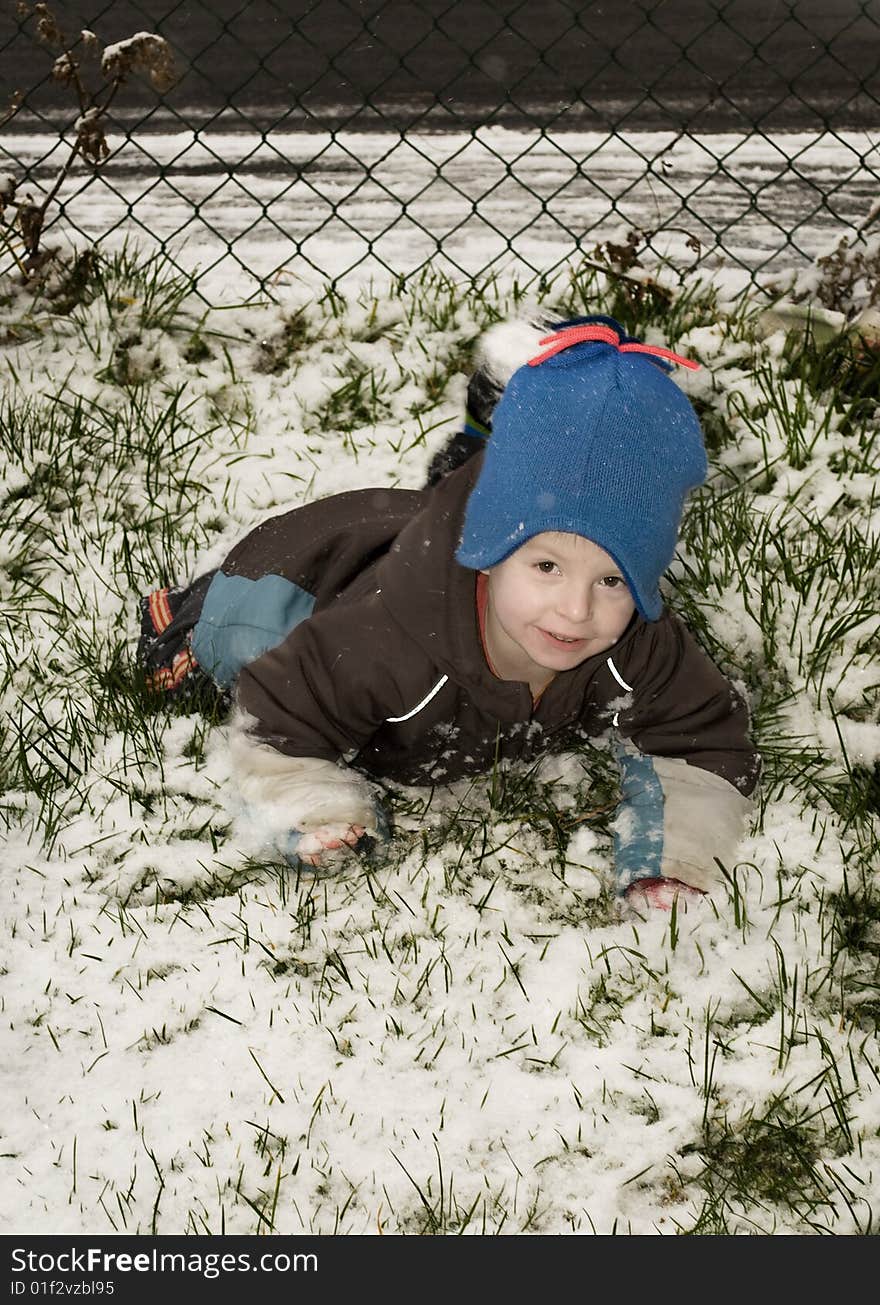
[459, 1033]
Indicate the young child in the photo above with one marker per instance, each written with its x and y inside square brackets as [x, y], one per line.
[506, 612]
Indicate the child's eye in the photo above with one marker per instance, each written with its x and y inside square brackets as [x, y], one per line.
[613, 581]
[546, 567]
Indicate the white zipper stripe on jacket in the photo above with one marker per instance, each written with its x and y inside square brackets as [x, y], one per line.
[395, 720]
[621, 681]
[617, 675]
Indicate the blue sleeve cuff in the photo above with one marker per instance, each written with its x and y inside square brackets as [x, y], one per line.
[638, 825]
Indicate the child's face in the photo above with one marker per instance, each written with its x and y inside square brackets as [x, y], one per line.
[554, 602]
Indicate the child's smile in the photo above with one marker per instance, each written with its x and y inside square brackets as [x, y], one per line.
[554, 602]
[561, 638]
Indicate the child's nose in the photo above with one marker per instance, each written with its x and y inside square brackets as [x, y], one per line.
[575, 603]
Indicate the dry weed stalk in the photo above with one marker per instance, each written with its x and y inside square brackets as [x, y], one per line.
[22, 217]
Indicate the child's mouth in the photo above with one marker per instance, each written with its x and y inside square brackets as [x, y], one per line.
[564, 639]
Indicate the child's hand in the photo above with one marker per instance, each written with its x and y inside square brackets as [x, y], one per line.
[327, 842]
[661, 893]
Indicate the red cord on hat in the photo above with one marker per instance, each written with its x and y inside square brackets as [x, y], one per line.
[570, 335]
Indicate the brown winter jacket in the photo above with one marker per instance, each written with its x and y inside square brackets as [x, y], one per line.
[388, 674]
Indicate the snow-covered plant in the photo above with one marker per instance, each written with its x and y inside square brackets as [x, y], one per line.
[23, 214]
[849, 280]
[845, 279]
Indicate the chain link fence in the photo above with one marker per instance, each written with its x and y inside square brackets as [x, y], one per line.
[341, 138]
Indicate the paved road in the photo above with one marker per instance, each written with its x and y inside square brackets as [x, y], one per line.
[702, 65]
[263, 176]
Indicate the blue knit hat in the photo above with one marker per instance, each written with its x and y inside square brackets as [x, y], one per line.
[591, 437]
